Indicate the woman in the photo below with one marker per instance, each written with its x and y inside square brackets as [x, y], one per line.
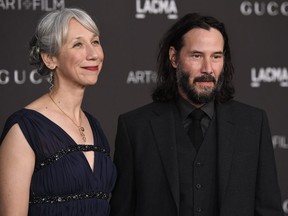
[54, 157]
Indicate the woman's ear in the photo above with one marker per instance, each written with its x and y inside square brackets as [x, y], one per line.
[48, 60]
[172, 56]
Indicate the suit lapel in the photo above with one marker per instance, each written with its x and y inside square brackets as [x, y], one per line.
[225, 130]
[163, 126]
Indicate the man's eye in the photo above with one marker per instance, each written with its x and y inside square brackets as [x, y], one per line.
[196, 56]
[217, 57]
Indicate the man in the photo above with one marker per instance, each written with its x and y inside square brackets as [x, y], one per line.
[164, 172]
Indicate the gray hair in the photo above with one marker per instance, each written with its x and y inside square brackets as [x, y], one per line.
[51, 34]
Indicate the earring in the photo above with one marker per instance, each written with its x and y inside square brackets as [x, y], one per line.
[51, 80]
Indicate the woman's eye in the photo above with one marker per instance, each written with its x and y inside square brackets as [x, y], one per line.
[96, 42]
[77, 45]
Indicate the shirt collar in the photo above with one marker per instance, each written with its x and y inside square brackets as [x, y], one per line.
[186, 108]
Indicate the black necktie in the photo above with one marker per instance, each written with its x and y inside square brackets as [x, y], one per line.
[195, 131]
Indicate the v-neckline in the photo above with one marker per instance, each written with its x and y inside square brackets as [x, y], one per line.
[92, 170]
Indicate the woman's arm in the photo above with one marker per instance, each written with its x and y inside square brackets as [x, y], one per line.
[17, 161]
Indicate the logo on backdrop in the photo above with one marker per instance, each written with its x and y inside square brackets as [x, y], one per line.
[20, 77]
[156, 7]
[269, 75]
[261, 8]
[285, 206]
[42, 5]
[141, 77]
[279, 141]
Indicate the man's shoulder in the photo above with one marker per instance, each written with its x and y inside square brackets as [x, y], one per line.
[241, 110]
[149, 109]
[237, 105]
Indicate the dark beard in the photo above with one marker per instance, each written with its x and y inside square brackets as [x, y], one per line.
[190, 91]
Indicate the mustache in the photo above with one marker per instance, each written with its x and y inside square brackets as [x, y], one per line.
[205, 78]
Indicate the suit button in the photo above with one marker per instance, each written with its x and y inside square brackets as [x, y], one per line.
[198, 164]
[198, 186]
[199, 210]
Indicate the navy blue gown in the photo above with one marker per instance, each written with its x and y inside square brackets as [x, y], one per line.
[63, 182]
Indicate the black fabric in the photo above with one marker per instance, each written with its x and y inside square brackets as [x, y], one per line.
[197, 173]
[195, 132]
[70, 174]
[185, 108]
[186, 155]
[148, 166]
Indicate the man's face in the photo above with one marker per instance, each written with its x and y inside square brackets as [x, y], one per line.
[199, 64]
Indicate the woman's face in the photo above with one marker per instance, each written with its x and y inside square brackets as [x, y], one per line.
[80, 59]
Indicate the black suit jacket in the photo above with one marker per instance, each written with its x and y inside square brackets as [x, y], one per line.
[146, 160]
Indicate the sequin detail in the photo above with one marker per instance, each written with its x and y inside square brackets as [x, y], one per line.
[73, 197]
[63, 152]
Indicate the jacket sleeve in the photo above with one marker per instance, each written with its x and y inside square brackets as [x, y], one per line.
[267, 197]
[123, 196]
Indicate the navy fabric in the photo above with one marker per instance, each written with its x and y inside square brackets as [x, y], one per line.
[69, 175]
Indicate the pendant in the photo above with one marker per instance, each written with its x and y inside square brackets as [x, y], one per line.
[82, 130]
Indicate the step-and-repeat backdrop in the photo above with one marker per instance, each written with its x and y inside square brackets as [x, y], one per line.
[130, 32]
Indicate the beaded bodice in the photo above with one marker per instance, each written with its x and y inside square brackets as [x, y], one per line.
[63, 183]
[61, 153]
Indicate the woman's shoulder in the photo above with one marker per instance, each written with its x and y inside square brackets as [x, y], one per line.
[17, 117]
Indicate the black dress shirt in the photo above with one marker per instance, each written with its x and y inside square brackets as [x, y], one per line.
[185, 108]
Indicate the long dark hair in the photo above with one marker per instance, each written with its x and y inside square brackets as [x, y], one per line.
[166, 89]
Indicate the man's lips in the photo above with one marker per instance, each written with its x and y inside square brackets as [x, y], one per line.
[208, 79]
[209, 83]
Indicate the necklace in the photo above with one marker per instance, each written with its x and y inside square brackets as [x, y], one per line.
[80, 128]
